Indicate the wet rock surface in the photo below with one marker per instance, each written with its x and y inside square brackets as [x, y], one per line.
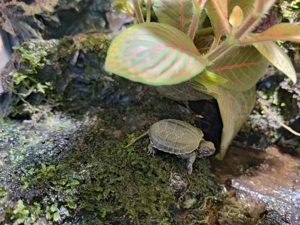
[264, 185]
[27, 20]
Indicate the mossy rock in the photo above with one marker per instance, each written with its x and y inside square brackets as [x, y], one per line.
[86, 176]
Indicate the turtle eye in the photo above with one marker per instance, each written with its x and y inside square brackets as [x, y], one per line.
[205, 152]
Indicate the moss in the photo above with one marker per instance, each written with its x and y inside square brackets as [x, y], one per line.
[96, 42]
[290, 9]
[46, 68]
[97, 181]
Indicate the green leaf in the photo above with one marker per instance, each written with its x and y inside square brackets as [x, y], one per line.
[191, 90]
[234, 107]
[277, 57]
[241, 66]
[194, 89]
[123, 6]
[176, 13]
[207, 77]
[154, 54]
[281, 31]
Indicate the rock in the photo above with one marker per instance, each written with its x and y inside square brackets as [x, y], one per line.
[268, 189]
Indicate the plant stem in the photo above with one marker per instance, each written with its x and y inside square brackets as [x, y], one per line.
[215, 43]
[252, 20]
[205, 31]
[250, 23]
[148, 15]
[138, 11]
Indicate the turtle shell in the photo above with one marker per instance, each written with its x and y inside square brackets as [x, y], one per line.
[175, 136]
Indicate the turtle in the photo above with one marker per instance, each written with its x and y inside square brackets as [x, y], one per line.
[179, 138]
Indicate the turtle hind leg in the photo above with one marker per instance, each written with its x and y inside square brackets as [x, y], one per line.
[151, 150]
[135, 140]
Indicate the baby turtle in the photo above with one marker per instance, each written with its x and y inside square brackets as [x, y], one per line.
[179, 138]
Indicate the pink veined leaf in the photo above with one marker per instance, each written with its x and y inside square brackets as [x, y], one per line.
[208, 91]
[203, 44]
[281, 31]
[154, 54]
[190, 90]
[176, 13]
[234, 107]
[183, 92]
[241, 66]
[277, 57]
[246, 6]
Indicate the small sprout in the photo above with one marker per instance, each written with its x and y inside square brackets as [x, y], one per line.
[236, 17]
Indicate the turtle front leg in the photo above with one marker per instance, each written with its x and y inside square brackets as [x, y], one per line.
[190, 161]
[191, 157]
[151, 150]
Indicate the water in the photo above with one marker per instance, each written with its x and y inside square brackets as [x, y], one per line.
[6, 43]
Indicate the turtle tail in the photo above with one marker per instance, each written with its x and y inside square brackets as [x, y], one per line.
[138, 138]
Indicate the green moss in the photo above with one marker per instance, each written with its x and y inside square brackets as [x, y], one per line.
[95, 42]
[46, 68]
[121, 179]
[97, 181]
[290, 9]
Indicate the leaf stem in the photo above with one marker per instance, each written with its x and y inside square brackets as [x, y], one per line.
[138, 11]
[223, 19]
[219, 51]
[278, 121]
[250, 40]
[215, 42]
[195, 19]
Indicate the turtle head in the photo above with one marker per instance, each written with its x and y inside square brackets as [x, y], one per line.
[206, 148]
